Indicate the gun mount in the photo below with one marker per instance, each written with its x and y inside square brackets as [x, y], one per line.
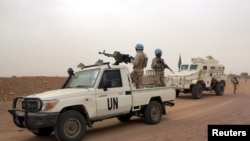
[119, 58]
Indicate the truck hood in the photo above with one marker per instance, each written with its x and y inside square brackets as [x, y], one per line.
[183, 73]
[61, 93]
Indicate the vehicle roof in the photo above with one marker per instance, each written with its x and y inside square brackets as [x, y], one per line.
[207, 60]
[105, 66]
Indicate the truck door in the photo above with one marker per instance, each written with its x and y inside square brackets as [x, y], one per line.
[111, 98]
[207, 75]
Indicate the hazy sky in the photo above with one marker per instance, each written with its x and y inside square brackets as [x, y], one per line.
[46, 37]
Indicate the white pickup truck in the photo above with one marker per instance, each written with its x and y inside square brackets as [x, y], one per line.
[95, 93]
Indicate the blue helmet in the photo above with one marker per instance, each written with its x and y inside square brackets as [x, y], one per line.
[139, 47]
[158, 51]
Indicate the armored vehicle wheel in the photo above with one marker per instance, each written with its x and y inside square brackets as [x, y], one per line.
[219, 88]
[43, 131]
[71, 126]
[124, 118]
[153, 112]
[197, 91]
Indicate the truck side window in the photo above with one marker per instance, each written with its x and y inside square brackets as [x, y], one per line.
[111, 78]
[204, 67]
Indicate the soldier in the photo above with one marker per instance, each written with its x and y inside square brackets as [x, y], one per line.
[158, 65]
[235, 82]
[139, 63]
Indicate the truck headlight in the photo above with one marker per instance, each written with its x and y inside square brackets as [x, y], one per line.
[49, 104]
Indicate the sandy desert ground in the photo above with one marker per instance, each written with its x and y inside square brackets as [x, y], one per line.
[186, 121]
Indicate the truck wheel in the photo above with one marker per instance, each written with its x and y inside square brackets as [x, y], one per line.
[219, 89]
[177, 93]
[197, 91]
[46, 131]
[153, 112]
[124, 118]
[71, 126]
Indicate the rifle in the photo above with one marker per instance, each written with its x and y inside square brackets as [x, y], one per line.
[119, 58]
[166, 66]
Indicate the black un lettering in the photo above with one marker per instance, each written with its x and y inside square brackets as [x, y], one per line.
[112, 103]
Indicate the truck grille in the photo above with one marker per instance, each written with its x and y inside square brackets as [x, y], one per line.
[31, 104]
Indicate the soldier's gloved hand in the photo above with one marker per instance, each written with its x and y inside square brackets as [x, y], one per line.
[159, 61]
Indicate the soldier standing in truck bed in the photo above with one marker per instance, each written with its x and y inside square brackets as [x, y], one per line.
[158, 66]
[139, 63]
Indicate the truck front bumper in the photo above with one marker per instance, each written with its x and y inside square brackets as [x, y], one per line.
[29, 114]
[34, 120]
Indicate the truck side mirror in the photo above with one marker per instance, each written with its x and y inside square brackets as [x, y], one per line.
[106, 85]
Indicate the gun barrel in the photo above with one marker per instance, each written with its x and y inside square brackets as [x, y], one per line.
[119, 58]
[106, 54]
[166, 66]
[171, 70]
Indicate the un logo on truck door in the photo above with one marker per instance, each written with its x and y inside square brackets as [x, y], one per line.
[112, 103]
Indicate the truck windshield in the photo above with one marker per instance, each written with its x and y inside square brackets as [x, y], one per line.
[84, 79]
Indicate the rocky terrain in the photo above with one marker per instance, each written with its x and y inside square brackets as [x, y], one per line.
[11, 87]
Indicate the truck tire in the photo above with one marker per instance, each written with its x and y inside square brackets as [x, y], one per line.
[153, 112]
[124, 118]
[46, 131]
[197, 91]
[177, 93]
[219, 88]
[71, 126]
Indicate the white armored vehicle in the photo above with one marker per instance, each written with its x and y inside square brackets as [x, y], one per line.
[203, 74]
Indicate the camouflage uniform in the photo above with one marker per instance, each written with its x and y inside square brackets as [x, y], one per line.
[235, 82]
[137, 73]
[158, 66]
